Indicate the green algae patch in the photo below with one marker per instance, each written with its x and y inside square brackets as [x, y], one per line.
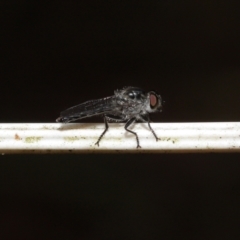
[71, 139]
[32, 139]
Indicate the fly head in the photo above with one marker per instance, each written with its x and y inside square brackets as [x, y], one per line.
[154, 102]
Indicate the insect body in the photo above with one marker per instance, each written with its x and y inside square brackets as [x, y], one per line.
[128, 105]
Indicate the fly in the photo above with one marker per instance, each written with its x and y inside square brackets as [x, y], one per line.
[128, 105]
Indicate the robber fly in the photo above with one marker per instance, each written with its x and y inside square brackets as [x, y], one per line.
[128, 105]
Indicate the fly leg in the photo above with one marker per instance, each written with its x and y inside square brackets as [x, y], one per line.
[129, 122]
[148, 121]
[105, 130]
[155, 135]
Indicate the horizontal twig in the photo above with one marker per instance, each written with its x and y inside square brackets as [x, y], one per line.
[81, 138]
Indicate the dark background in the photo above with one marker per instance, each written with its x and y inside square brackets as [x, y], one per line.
[56, 54]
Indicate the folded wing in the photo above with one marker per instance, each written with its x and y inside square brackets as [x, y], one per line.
[89, 109]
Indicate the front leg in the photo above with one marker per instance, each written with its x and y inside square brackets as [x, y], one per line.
[148, 121]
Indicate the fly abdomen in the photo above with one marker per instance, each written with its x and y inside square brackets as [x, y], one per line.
[67, 119]
[71, 118]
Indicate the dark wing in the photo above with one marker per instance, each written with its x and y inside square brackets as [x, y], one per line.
[89, 109]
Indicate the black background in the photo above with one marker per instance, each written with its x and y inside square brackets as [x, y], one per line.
[56, 54]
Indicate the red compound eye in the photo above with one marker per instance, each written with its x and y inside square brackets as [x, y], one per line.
[153, 100]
